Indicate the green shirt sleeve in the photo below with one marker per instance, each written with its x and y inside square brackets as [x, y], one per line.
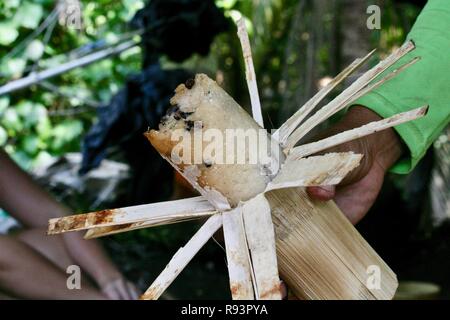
[427, 82]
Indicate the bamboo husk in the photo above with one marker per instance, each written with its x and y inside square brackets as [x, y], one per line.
[344, 275]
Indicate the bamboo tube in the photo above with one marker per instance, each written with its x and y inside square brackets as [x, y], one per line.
[320, 254]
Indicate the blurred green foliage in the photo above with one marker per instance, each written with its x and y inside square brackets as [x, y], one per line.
[39, 122]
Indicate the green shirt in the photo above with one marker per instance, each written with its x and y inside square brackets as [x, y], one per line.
[425, 83]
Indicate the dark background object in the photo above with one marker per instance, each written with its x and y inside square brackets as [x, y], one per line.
[178, 29]
[419, 3]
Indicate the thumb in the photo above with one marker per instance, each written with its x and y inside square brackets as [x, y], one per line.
[322, 193]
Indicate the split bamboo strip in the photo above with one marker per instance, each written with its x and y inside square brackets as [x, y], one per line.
[98, 232]
[161, 210]
[250, 72]
[238, 259]
[260, 235]
[183, 256]
[320, 254]
[328, 169]
[372, 127]
[354, 91]
[258, 227]
[282, 133]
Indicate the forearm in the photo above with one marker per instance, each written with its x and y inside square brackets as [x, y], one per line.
[426, 82]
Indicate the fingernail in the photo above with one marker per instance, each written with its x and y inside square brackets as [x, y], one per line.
[326, 189]
[322, 192]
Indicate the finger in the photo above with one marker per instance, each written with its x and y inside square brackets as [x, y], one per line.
[323, 193]
[355, 200]
[284, 290]
[110, 293]
[134, 293]
[123, 290]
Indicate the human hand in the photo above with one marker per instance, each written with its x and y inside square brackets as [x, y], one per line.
[120, 289]
[359, 190]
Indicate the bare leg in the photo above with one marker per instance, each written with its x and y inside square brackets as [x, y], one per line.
[33, 207]
[25, 273]
[51, 247]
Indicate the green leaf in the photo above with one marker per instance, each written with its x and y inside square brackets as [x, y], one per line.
[11, 120]
[131, 7]
[22, 159]
[15, 67]
[24, 108]
[8, 33]
[29, 15]
[30, 144]
[31, 113]
[44, 128]
[65, 132]
[4, 103]
[42, 158]
[99, 71]
[35, 50]
[226, 4]
[3, 136]
[12, 3]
